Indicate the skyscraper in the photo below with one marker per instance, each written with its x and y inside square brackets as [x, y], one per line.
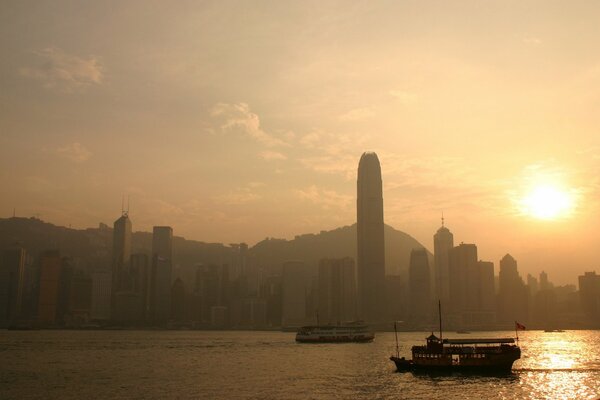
[419, 287]
[160, 287]
[370, 240]
[12, 277]
[443, 241]
[337, 290]
[513, 296]
[120, 256]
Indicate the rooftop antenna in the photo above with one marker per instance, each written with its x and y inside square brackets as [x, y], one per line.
[122, 204]
[128, 196]
[442, 218]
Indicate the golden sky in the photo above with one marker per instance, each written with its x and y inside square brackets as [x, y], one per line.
[234, 121]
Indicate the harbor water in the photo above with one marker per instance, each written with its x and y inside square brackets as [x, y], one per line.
[54, 364]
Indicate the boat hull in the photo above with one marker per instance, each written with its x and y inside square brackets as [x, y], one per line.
[361, 339]
[499, 364]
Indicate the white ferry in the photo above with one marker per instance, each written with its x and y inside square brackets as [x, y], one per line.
[349, 332]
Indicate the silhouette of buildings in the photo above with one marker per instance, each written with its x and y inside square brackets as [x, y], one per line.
[589, 290]
[50, 285]
[370, 240]
[160, 281]
[12, 281]
[443, 241]
[513, 296]
[294, 290]
[101, 295]
[419, 286]
[120, 258]
[337, 290]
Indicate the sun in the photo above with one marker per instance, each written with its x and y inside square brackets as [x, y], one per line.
[547, 202]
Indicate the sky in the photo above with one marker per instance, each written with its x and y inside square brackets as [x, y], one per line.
[237, 121]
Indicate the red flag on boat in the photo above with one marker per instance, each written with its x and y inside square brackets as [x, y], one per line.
[519, 327]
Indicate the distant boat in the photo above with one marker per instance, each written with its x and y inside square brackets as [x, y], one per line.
[343, 333]
[553, 330]
[463, 332]
[477, 356]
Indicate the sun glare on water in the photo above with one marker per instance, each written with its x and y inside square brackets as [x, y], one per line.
[547, 202]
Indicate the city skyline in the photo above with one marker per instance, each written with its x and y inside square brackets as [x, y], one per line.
[234, 115]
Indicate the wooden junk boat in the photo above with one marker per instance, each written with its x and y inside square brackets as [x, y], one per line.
[479, 356]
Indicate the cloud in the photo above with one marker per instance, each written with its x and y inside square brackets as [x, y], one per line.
[238, 196]
[239, 118]
[403, 96]
[325, 198]
[357, 114]
[75, 152]
[64, 71]
[272, 155]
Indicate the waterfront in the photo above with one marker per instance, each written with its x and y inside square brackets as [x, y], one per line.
[261, 365]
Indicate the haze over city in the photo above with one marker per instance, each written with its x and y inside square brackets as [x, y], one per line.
[234, 122]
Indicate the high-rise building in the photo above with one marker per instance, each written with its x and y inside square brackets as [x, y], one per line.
[443, 241]
[209, 299]
[370, 240]
[486, 314]
[419, 287]
[295, 283]
[50, 279]
[337, 290]
[101, 295]
[162, 259]
[120, 256]
[589, 292]
[12, 279]
[462, 262]
[513, 295]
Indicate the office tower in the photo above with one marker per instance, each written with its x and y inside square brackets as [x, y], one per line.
[370, 240]
[443, 241]
[101, 295]
[533, 285]
[50, 277]
[462, 261]
[513, 296]
[486, 314]
[544, 283]
[589, 292]
[178, 301]
[294, 289]
[120, 255]
[209, 299]
[337, 290]
[419, 287]
[12, 277]
[80, 298]
[162, 259]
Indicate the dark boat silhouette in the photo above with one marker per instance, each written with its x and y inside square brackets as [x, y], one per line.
[474, 356]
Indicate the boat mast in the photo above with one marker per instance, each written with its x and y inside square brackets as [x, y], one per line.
[440, 315]
[396, 333]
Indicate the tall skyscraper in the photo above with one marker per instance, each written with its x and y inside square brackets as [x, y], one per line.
[462, 268]
[419, 287]
[162, 259]
[120, 256]
[337, 290]
[589, 292]
[50, 285]
[443, 241]
[12, 277]
[370, 240]
[513, 295]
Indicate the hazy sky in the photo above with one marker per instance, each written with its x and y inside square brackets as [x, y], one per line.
[234, 121]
